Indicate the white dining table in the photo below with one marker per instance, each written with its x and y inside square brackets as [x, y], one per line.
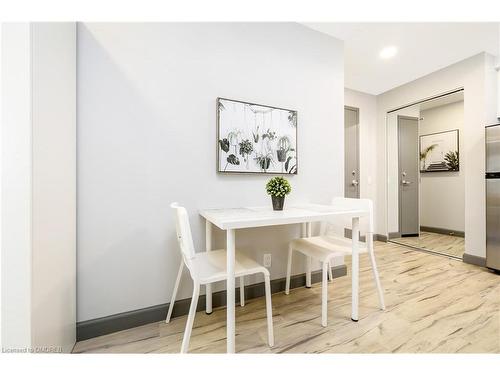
[230, 219]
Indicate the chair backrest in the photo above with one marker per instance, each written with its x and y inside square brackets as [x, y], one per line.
[337, 225]
[362, 204]
[184, 236]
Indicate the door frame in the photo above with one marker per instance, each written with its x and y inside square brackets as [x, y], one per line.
[399, 173]
[355, 109]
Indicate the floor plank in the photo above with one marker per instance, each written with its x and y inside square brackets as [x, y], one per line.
[434, 305]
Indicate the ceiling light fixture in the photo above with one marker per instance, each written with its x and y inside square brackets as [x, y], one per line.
[388, 52]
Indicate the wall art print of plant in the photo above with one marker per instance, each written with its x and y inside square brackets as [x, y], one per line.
[439, 152]
[254, 138]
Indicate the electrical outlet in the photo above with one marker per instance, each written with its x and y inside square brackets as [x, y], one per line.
[267, 260]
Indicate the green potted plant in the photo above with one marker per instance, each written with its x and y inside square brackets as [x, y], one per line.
[277, 188]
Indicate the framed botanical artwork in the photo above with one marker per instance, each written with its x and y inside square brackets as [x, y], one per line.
[255, 138]
[439, 152]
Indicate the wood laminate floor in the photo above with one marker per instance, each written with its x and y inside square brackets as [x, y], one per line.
[439, 243]
[434, 304]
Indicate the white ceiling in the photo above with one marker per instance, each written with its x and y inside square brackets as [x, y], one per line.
[422, 49]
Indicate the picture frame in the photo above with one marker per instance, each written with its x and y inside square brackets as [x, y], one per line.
[256, 138]
[439, 152]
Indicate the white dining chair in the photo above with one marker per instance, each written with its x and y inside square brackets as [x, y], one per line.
[329, 245]
[209, 267]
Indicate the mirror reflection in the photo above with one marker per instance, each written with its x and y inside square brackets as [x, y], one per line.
[425, 176]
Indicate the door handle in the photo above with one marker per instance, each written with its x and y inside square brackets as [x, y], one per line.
[354, 183]
[404, 182]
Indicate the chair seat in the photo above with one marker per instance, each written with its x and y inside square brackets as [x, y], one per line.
[210, 266]
[326, 247]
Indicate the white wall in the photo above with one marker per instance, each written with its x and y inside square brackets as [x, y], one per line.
[54, 184]
[1, 183]
[146, 137]
[367, 105]
[475, 75]
[16, 185]
[39, 181]
[442, 203]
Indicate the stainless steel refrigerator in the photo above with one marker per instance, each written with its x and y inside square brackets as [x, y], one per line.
[493, 197]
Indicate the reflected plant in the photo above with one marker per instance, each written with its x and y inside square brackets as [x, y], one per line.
[451, 160]
[425, 152]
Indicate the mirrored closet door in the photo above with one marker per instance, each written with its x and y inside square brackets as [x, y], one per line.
[426, 180]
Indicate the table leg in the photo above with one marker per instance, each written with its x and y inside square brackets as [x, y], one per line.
[355, 268]
[208, 247]
[308, 259]
[230, 248]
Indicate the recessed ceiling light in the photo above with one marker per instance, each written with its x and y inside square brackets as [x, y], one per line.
[388, 52]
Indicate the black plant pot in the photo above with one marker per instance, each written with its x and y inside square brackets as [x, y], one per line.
[278, 203]
[281, 154]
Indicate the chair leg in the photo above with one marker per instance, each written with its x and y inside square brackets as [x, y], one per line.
[288, 270]
[242, 291]
[190, 320]
[269, 311]
[377, 280]
[308, 271]
[174, 293]
[324, 295]
[330, 273]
